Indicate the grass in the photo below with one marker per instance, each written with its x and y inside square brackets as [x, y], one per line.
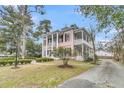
[40, 75]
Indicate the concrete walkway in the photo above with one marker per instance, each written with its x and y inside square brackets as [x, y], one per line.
[108, 74]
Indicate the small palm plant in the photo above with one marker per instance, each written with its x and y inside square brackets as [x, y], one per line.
[63, 53]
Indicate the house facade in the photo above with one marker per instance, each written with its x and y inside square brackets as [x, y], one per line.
[76, 39]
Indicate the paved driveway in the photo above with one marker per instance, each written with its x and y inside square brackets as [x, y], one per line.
[108, 74]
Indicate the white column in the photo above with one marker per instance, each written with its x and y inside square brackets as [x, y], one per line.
[82, 35]
[52, 45]
[43, 48]
[63, 37]
[52, 41]
[72, 40]
[82, 46]
[57, 39]
[46, 45]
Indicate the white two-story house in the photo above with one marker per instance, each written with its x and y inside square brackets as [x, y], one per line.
[76, 39]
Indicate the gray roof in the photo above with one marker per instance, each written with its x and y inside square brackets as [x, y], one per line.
[64, 30]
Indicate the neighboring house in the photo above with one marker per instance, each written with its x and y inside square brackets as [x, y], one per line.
[103, 49]
[104, 54]
[76, 39]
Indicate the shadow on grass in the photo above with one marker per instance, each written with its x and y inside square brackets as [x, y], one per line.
[66, 66]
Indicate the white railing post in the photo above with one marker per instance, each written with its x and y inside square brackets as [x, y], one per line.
[57, 40]
[43, 47]
[82, 45]
[71, 37]
[52, 45]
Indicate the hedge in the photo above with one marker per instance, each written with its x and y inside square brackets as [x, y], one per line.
[29, 58]
[7, 58]
[6, 62]
[11, 61]
[44, 59]
[25, 61]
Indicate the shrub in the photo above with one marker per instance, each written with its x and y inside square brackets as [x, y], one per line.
[38, 59]
[3, 63]
[10, 62]
[47, 59]
[6, 62]
[25, 61]
[44, 59]
[7, 58]
[29, 58]
[89, 59]
[21, 61]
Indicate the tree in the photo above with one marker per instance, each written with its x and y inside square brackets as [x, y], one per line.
[33, 49]
[100, 46]
[107, 17]
[116, 46]
[63, 53]
[2, 43]
[74, 26]
[24, 20]
[25, 13]
[43, 28]
[15, 22]
[10, 27]
[93, 32]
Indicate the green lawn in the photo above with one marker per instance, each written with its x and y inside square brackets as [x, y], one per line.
[40, 75]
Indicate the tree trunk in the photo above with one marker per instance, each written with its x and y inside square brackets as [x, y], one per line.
[65, 62]
[94, 52]
[23, 40]
[122, 57]
[16, 60]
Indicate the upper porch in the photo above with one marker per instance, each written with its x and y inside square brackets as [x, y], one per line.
[66, 38]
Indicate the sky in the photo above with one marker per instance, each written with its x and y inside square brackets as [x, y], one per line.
[61, 16]
[65, 15]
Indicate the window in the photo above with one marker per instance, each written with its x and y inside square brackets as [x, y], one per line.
[54, 38]
[61, 38]
[67, 37]
[78, 35]
[49, 52]
[49, 40]
[88, 39]
[78, 50]
[44, 53]
[86, 51]
[85, 36]
[44, 42]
